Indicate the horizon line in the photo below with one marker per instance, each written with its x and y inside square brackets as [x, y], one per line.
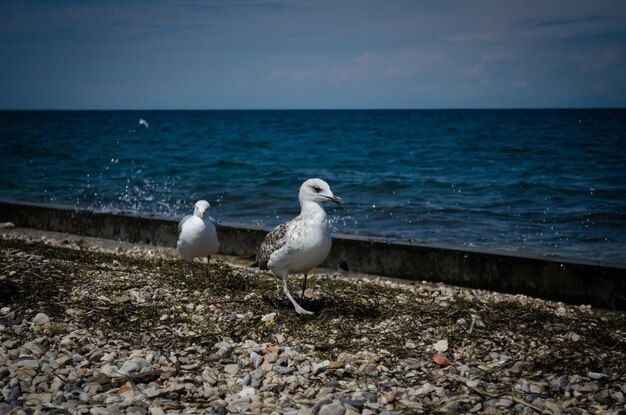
[319, 109]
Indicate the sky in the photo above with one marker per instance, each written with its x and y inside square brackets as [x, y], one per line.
[310, 54]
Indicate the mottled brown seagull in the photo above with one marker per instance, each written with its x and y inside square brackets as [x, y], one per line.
[301, 244]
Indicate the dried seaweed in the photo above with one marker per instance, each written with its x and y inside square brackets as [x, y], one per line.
[350, 316]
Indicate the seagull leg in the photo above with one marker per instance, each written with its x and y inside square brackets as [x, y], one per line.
[208, 259]
[303, 285]
[299, 309]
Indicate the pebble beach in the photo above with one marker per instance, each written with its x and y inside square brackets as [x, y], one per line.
[101, 327]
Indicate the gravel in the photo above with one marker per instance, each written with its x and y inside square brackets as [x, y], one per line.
[90, 328]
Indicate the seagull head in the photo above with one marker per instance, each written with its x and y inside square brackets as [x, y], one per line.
[201, 208]
[318, 191]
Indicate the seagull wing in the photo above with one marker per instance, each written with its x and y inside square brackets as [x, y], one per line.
[182, 221]
[273, 241]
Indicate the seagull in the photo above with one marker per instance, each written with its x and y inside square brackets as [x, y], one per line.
[301, 244]
[196, 234]
[143, 122]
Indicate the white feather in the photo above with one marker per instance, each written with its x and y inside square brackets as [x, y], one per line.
[197, 234]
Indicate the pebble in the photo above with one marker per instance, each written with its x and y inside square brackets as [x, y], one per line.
[334, 408]
[286, 370]
[156, 411]
[129, 367]
[231, 369]
[271, 357]
[40, 319]
[441, 346]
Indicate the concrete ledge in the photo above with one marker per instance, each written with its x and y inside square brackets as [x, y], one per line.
[572, 282]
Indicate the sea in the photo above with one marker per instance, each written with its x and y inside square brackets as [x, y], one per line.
[540, 182]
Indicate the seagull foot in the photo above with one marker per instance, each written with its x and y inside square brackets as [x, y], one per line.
[301, 310]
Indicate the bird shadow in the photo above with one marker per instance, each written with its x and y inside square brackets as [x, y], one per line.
[8, 292]
[336, 306]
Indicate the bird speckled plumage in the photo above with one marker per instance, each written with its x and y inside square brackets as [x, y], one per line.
[273, 241]
[303, 243]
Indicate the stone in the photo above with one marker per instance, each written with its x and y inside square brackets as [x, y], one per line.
[335, 364]
[536, 388]
[271, 357]
[156, 411]
[56, 384]
[129, 366]
[423, 390]
[317, 407]
[92, 387]
[310, 393]
[153, 391]
[34, 348]
[100, 411]
[552, 406]
[136, 410]
[370, 370]
[353, 402]
[41, 319]
[225, 350]
[603, 396]
[247, 392]
[334, 408]
[441, 346]
[107, 358]
[11, 343]
[28, 363]
[256, 359]
[231, 369]
[472, 383]
[209, 393]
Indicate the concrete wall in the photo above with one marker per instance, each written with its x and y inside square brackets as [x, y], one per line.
[576, 283]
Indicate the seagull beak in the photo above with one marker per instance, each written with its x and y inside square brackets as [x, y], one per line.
[337, 200]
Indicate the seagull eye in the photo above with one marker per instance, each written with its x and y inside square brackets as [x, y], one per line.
[317, 189]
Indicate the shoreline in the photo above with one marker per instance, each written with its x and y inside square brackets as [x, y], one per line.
[105, 327]
[571, 282]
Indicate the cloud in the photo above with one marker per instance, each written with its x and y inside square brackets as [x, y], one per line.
[360, 51]
[369, 70]
[598, 62]
[238, 5]
[573, 21]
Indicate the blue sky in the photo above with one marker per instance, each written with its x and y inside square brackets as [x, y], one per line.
[312, 54]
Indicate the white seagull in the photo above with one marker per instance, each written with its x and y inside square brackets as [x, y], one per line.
[143, 122]
[196, 233]
[301, 244]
